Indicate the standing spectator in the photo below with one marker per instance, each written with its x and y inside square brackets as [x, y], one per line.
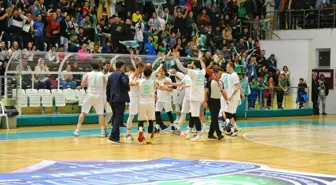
[323, 92]
[3, 51]
[271, 63]
[38, 29]
[315, 94]
[139, 33]
[281, 89]
[180, 21]
[286, 74]
[302, 95]
[117, 95]
[53, 29]
[107, 48]
[252, 68]
[203, 19]
[269, 93]
[65, 30]
[16, 25]
[136, 16]
[3, 22]
[117, 33]
[27, 30]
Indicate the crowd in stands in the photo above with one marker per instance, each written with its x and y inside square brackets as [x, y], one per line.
[225, 31]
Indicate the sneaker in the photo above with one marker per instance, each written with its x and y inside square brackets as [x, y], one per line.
[104, 133]
[220, 137]
[198, 138]
[140, 136]
[236, 131]
[212, 137]
[152, 135]
[187, 134]
[114, 142]
[76, 133]
[177, 132]
[148, 141]
[129, 137]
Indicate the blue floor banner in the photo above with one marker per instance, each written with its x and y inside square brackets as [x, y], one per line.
[164, 171]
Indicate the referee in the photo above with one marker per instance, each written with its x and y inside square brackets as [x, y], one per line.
[213, 93]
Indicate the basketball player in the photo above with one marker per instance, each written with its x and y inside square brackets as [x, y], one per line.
[178, 93]
[225, 81]
[197, 78]
[234, 94]
[133, 94]
[164, 101]
[146, 93]
[107, 106]
[95, 82]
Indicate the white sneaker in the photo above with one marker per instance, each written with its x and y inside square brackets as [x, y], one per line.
[76, 133]
[129, 137]
[198, 138]
[236, 131]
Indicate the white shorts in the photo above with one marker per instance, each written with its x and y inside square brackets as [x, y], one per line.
[195, 108]
[95, 100]
[223, 107]
[232, 106]
[133, 105]
[107, 107]
[166, 106]
[147, 111]
[185, 106]
[178, 97]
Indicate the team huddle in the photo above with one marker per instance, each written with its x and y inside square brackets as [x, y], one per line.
[152, 91]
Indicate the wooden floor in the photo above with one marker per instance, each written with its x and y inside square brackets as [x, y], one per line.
[306, 148]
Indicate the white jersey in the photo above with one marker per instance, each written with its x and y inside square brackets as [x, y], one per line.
[106, 77]
[163, 96]
[186, 82]
[134, 90]
[233, 81]
[197, 79]
[146, 90]
[225, 79]
[96, 82]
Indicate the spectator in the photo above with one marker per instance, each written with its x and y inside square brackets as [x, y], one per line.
[38, 29]
[16, 24]
[323, 92]
[252, 97]
[107, 48]
[52, 30]
[252, 68]
[26, 77]
[269, 93]
[136, 16]
[42, 80]
[67, 79]
[203, 19]
[315, 94]
[65, 30]
[139, 33]
[286, 74]
[271, 63]
[3, 51]
[302, 95]
[281, 89]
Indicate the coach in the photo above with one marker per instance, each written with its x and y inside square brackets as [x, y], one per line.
[117, 94]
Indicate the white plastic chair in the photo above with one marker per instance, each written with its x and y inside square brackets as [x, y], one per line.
[20, 91]
[31, 92]
[3, 114]
[22, 100]
[44, 91]
[80, 94]
[70, 96]
[47, 100]
[34, 100]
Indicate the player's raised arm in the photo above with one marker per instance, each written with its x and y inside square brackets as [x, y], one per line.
[178, 63]
[200, 57]
[132, 59]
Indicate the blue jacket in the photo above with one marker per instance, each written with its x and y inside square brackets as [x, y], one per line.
[117, 87]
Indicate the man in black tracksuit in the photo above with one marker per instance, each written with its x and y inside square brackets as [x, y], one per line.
[213, 93]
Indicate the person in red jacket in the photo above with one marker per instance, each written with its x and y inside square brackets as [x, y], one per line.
[53, 29]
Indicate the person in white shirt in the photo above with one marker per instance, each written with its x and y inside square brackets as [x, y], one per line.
[197, 78]
[225, 81]
[95, 82]
[146, 101]
[133, 94]
[234, 93]
[107, 106]
[164, 99]
[178, 94]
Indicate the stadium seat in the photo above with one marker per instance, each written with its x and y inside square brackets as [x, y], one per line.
[47, 100]
[22, 100]
[31, 92]
[3, 114]
[70, 96]
[59, 97]
[80, 94]
[19, 91]
[34, 100]
[44, 91]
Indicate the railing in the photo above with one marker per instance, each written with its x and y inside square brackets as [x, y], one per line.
[272, 98]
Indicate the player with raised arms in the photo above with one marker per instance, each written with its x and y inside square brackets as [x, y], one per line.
[95, 82]
[197, 78]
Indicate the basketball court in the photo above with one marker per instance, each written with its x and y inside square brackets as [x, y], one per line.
[284, 150]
